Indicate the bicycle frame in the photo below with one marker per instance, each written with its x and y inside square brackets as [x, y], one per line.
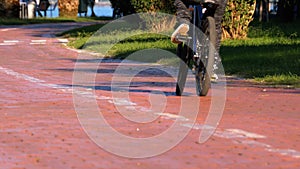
[198, 49]
[196, 23]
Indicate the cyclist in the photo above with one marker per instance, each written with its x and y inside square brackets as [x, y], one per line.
[184, 16]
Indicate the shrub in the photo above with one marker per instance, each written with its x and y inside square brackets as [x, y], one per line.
[165, 6]
[238, 15]
[156, 18]
[68, 8]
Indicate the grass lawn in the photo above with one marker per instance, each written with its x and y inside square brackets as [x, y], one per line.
[270, 54]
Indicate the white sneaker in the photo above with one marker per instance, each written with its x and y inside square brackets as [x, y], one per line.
[214, 78]
[181, 30]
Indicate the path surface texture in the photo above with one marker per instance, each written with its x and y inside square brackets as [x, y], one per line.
[58, 112]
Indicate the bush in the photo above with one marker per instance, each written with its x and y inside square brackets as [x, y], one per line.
[165, 6]
[238, 15]
[68, 8]
[156, 18]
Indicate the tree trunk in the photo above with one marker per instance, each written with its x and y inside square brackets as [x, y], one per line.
[267, 10]
[261, 9]
[68, 8]
[264, 10]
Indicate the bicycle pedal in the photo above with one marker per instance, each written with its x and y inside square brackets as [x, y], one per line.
[183, 38]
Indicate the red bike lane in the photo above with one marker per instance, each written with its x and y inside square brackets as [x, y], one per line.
[40, 129]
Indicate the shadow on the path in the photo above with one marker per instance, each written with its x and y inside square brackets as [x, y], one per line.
[147, 73]
[87, 70]
[148, 76]
[95, 60]
[121, 89]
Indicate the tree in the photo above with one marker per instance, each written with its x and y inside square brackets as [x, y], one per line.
[68, 8]
[238, 15]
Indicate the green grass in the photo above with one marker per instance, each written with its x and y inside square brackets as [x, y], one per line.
[258, 57]
[290, 79]
[119, 46]
[268, 60]
[80, 36]
[270, 55]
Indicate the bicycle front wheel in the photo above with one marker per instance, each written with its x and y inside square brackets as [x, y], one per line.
[183, 53]
[206, 54]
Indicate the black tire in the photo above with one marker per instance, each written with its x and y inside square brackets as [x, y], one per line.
[182, 52]
[206, 50]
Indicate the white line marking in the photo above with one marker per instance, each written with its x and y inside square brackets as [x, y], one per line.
[66, 89]
[242, 136]
[7, 29]
[172, 116]
[63, 40]
[255, 143]
[285, 152]
[228, 134]
[7, 44]
[269, 148]
[4, 30]
[38, 41]
[11, 41]
[245, 133]
[122, 102]
[20, 76]
[197, 126]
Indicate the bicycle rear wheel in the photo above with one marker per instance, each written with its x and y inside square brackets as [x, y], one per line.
[206, 54]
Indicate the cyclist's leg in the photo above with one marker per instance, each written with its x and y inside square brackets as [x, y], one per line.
[184, 17]
[182, 11]
[218, 19]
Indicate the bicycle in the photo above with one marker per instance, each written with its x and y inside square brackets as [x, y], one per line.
[198, 49]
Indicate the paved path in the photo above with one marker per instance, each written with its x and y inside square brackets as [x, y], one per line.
[39, 126]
